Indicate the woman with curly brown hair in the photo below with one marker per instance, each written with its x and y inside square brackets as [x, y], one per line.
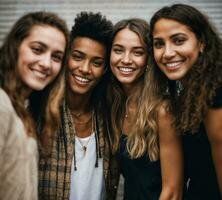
[187, 69]
[150, 153]
[31, 61]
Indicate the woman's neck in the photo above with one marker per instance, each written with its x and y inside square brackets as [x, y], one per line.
[131, 106]
[132, 89]
[78, 103]
[81, 113]
[26, 92]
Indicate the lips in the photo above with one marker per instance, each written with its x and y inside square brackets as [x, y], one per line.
[173, 65]
[81, 80]
[126, 70]
[39, 74]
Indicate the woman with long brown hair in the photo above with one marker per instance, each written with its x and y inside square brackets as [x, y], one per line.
[31, 67]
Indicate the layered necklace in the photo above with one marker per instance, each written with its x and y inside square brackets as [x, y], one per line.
[82, 126]
[72, 128]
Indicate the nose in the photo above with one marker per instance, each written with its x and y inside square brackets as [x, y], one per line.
[84, 67]
[45, 61]
[169, 52]
[126, 59]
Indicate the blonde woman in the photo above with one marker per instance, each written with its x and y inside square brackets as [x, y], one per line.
[149, 150]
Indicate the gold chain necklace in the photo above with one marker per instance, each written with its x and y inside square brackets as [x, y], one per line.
[84, 147]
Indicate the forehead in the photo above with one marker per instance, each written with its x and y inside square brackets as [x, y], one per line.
[48, 35]
[89, 46]
[167, 27]
[127, 37]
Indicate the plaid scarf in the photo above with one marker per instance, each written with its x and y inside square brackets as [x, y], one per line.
[55, 170]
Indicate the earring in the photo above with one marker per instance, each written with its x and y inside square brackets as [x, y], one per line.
[202, 47]
[179, 88]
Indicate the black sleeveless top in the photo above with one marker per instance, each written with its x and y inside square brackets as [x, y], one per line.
[199, 167]
[142, 177]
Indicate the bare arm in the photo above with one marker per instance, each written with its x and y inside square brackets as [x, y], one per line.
[213, 124]
[171, 158]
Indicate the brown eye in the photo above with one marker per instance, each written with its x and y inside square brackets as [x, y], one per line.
[158, 44]
[36, 50]
[98, 63]
[179, 41]
[57, 57]
[138, 53]
[77, 57]
[117, 50]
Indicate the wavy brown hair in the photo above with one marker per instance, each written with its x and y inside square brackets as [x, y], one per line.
[203, 79]
[43, 103]
[142, 137]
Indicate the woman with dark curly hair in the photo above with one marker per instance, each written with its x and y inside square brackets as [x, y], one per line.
[187, 70]
[31, 65]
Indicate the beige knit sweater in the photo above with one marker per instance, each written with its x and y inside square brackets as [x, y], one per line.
[18, 156]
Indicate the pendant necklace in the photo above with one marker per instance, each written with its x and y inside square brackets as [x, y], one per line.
[126, 109]
[83, 146]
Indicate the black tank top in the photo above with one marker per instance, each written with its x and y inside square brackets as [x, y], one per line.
[199, 167]
[142, 177]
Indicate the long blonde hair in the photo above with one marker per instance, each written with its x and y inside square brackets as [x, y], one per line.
[143, 135]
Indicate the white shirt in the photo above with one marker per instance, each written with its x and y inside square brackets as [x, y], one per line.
[87, 182]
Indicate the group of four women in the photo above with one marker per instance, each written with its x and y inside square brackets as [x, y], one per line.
[79, 108]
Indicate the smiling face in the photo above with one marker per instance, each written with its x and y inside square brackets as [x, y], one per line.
[85, 65]
[175, 47]
[128, 57]
[40, 56]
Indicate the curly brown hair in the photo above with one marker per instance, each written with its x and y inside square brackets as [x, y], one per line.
[205, 76]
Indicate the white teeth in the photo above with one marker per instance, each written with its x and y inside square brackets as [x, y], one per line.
[81, 79]
[125, 69]
[39, 74]
[173, 64]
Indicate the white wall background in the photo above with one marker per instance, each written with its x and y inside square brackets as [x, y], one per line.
[11, 10]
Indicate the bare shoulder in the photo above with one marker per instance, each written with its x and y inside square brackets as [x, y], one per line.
[163, 113]
[213, 124]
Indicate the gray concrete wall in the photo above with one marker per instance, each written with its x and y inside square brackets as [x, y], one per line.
[115, 10]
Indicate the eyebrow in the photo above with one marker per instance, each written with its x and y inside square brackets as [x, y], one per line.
[136, 47]
[78, 51]
[172, 36]
[45, 46]
[82, 53]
